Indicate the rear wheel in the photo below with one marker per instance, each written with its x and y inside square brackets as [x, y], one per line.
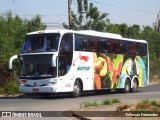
[127, 86]
[135, 86]
[77, 89]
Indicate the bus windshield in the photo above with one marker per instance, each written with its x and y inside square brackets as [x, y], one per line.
[37, 66]
[41, 43]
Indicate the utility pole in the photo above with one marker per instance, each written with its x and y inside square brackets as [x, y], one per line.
[157, 23]
[69, 13]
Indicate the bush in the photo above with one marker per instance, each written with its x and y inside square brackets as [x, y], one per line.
[11, 87]
[1, 90]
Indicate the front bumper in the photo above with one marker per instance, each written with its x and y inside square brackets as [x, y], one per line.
[39, 89]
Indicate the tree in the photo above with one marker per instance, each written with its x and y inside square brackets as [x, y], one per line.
[88, 18]
[123, 29]
[12, 33]
[134, 32]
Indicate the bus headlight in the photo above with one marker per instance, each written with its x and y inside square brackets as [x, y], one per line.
[22, 84]
[50, 83]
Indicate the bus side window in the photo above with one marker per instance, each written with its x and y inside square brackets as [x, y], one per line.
[103, 45]
[92, 43]
[80, 42]
[127, 48]
[130, 49]
[116, 47]
[142, 49]
[111, 46]
[107, 46]
[122, 47]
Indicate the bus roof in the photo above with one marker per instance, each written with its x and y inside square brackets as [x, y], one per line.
[87, 32]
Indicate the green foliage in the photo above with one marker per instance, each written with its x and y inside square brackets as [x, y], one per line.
[1, 90]
[10, 87]
[88, 18]
[110, 102]
[145, 101]
[115, 100]
[12, 33]
[154, 103]
[85, 5]
[107, 102]
[95, 104]
[89, 104]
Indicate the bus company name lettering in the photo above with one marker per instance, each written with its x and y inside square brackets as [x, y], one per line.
[83, 68]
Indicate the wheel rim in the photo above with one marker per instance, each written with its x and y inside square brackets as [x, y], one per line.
[127, 87]
[134, 85]
[76, 89]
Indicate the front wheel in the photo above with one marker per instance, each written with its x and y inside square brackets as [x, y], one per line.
[76, 89]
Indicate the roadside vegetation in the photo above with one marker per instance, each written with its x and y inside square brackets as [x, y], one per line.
[144, 105]
[10, 87]
[147, 105]
[13, 30]
[95, 104]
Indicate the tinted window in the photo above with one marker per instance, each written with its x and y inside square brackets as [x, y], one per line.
[80, 42]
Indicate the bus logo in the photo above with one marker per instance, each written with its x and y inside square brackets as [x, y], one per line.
[84, 58]
[35, 84]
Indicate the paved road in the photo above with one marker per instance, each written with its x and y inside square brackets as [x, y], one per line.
[64, 103]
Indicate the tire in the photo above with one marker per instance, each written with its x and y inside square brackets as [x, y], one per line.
[127, 86]
[77, 89]
[135, 86]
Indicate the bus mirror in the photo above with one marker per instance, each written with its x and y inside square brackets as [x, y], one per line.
[11, 60]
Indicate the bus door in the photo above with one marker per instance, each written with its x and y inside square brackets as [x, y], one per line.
[66, 50]
[61, 65]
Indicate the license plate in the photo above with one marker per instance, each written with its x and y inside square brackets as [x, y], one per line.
[35, 90]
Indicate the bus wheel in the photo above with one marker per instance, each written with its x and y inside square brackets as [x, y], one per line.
[77, 89]
[135, 86]
[127, 86]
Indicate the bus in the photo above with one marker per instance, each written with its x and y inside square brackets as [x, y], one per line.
[58, 61]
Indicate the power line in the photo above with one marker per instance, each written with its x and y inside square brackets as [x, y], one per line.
[41, 15]
[123, 7]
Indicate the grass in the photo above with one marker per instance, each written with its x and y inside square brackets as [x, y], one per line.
[110, 102]
[89, 104]
[95, 104]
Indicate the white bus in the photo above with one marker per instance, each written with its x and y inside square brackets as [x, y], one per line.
[57, 61]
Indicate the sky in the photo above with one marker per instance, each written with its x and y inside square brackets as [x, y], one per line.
[55, 12]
